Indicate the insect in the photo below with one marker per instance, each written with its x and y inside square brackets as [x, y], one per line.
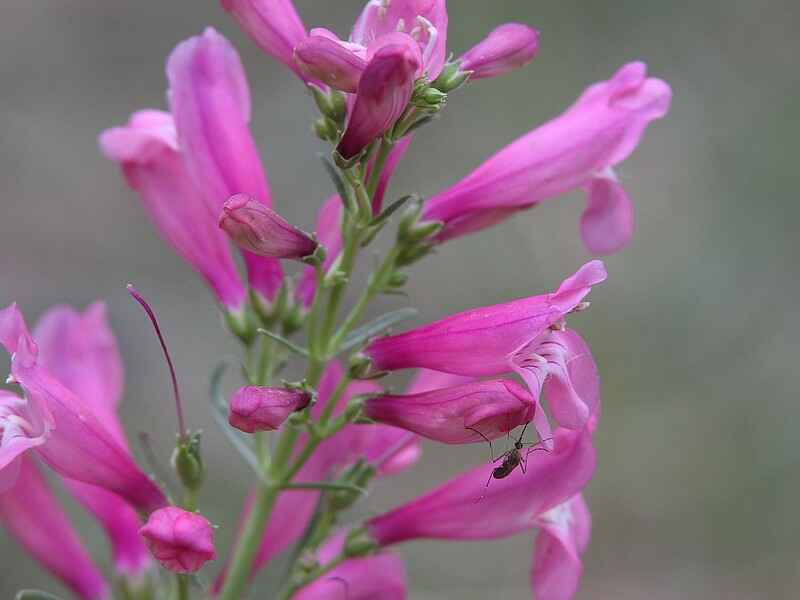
[511, 458]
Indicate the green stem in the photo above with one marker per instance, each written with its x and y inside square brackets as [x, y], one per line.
[377, 167]
[349, 254]
[376, 282]
[181, 587]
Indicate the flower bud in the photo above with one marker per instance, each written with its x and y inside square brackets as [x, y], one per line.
[383, 94]
[451, 78]
[508, 47]
[329, 61]
[332, 103]
[180, 540]
[188, 462]
[264, 409]
[257, 228]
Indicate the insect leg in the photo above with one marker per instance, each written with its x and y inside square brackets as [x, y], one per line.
[488, 441]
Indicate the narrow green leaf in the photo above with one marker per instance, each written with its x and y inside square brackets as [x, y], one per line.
[35, 595]
[240, 442]
[391, 209]
[379, 325]
[290, 345]
[338, 183]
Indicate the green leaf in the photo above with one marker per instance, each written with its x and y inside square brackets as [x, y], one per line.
[241, 442]
[35, 595]
[282, 340]
[391, 209]
[379, 325]
[339, 184]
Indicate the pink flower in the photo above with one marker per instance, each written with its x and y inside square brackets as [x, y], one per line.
[33, 515]
[210, 99]
[255, 227]
[515, 336]
[506, 48]
[468, 413]
[273, 25]
[330, 61]
[146, 149]
[563, 537]
[380, 576]
[180, 540]
[75, 442]
[425, 21]
[81, 352]
[383, 94]
[575, 150]
[464, 508]
[264, 409]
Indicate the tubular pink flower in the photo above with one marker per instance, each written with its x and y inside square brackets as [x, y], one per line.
[33, 516]
[508, 47]
[78, 446]
[321, 58]
[515, 336]
[425, 21]
[464, 414]
[383, 94]
[255, 408]
[573, 151]
[81, 352]
[427, 380]
[464, 508]
[210, 100]
[380, 576]
[273, 25]
[146, 149]
[563, 537]
[180, 540]
[257, 228]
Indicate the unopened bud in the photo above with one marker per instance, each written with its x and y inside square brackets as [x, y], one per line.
[420, 232]
[359, 543]
[326, 130]
[242, 324]
[359, 366]
[188, 463]
[397, 279]
[451, 78]
[331, 104]
[430, 98]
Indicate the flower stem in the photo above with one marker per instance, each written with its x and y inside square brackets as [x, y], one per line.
[377, 168]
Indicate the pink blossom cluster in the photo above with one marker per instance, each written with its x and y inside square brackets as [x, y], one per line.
[482, 374]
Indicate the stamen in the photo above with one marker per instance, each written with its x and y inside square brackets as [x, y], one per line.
[433, 36]
[176, 390]
[580, 307]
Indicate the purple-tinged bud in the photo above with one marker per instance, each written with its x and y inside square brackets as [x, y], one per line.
[508, 47]
[330, 62]
[180, 540]
[264, 409]
[255, 227]
[383, 94]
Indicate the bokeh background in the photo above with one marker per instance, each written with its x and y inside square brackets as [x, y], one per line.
[695, 331]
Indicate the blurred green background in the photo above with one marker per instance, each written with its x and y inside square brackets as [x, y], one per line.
[695, 332]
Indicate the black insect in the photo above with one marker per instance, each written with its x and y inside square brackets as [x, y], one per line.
[511, 458]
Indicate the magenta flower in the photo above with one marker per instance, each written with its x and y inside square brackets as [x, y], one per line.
[383, 94]
[322, 56]
[33, 515]
[425, 22]
[180, 540]
[210, 99]
[380, 576]
[76, 443]
[564, 533]
[255, 408]
[146, 149]
[575, 150]
[515, 336]
[273, 25]
[508, 47]
[257, 228]
[464, 508]
[81, 352]
[464, 414]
